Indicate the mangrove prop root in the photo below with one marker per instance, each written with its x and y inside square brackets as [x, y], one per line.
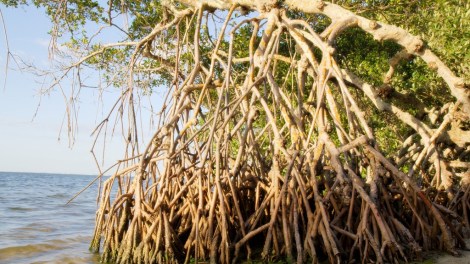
[244, 166]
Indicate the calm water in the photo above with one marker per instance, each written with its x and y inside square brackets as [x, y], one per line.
[35, 224]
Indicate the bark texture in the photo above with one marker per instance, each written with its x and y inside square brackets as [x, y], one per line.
[269, 170]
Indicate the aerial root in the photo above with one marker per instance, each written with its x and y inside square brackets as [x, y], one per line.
[247, 164]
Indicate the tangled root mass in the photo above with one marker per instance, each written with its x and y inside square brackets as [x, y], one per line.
[248, 164]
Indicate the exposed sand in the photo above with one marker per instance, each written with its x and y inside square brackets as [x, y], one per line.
[464, 259]
[442, 258]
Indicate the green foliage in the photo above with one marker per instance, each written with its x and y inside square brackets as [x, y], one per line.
[447, 35]
[444, 25]
[187, 49]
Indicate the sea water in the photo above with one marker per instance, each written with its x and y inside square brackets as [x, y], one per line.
[36, 225]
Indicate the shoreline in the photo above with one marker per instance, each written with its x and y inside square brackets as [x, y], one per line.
[439, 257]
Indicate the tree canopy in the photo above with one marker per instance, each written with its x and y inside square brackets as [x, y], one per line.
[304, 130]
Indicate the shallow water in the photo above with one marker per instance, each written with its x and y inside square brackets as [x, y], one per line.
[36, 225]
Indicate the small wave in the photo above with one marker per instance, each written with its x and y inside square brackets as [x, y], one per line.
[92, 258]
[59, 196]
[17, 208]
[32, 251]
[26, 250]
[35, 224]
[34, 227]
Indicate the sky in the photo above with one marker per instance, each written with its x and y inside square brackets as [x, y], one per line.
[31, 142]
[35, 143]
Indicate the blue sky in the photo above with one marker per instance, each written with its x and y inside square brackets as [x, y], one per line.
[36, 145]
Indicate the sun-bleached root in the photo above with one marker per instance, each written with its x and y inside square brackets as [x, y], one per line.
[248, 164]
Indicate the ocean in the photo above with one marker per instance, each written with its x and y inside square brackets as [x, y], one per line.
[36, 225]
